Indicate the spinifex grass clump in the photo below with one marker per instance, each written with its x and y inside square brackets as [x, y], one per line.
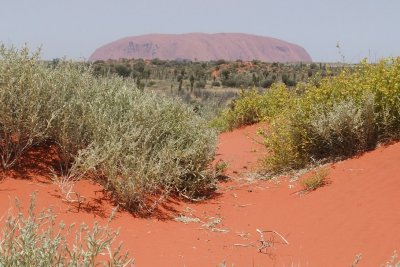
[37, 240]
[139, 145]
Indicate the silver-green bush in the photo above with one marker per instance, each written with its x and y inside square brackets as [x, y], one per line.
[37, 240]
[344, 129]
[24, 96]
[140, 145]
[143, 143]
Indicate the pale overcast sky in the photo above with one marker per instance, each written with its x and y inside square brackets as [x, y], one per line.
[75, 28]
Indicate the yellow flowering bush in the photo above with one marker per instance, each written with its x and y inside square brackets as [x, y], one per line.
[325, 118]
[338, 117]
[253, 106]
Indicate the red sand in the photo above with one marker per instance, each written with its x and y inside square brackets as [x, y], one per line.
[357, 212]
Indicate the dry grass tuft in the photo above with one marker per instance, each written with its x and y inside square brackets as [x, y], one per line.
[317, 179]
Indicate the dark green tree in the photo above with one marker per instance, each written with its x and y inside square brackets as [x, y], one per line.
[180, 81]
[191, 79]
[123, 70]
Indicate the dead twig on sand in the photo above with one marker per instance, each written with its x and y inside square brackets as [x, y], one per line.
[66, 185]
[185, 219]
[243, 245]
[243, 205]
[265, 244]
[212, 225]
[356, 260]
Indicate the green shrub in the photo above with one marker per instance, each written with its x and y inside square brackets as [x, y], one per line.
[344, 129]
[216, 83]
[139, 145]
[275, 101]
[24, 94]
[244, 110]
[338, 117]
[36, 240]
[144, 143]
[200, 84]
[267, 83]
[281, 139]
[325, 118]
[252, 106]
[71, 129]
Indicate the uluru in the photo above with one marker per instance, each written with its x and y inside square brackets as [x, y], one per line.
[202, 47]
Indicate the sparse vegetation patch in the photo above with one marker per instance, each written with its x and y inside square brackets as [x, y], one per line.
[325, 118]
[38, 240]
[141, 146]
[315, 180]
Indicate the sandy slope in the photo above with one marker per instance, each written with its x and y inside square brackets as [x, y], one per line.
[357, 212]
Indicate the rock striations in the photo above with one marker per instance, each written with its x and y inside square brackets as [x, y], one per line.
[202, 47]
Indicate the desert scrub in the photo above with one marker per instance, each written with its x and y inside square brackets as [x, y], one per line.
[23, 96]
[141, 146]
[38, 240]
[315, 180]
[253, 106]
[76, 89]
[221, 167]
[337, 117]
[244, 110]
[325, 118]
[280, 139]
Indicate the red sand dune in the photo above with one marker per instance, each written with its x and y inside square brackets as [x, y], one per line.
[357, 212]
[202, 47]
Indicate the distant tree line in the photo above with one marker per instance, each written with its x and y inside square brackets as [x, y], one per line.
[220, 73]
